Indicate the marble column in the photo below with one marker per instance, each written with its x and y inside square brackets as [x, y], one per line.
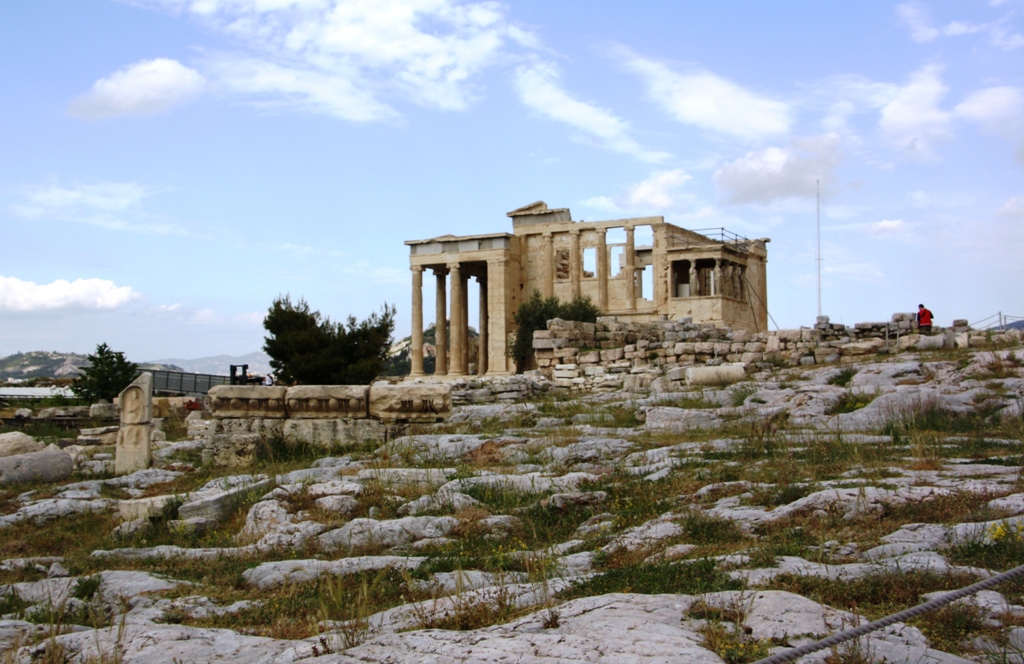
[440, 323]
[630, 270]
[602, 269]
[717, 290]
[416, 351]
[694, 283]
[482, 365]
[549, 266]
[464, 324]
[458, 295]
[575, 262]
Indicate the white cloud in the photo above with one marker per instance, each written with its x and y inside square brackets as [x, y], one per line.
[330, 93]
[146, 87]
[918, 20]
[658, 192]
[26, 296]
[886, 227]
[780, 173]
[329, 56]
[912, 121]
[997, 109]
[538, 87]
[710, 101]
[1013, 208]
[846, 95]
[109, 205]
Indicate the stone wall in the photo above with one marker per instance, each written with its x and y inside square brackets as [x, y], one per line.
[246, 417]
[610, 354]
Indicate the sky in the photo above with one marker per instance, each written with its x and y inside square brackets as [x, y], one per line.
[169, 167]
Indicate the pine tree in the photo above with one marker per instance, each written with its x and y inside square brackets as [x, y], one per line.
[305, 347]
[109, 373]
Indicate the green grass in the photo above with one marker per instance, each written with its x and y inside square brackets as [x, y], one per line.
[875, 595]
[850, 402]
[689, 578]
[843, 378]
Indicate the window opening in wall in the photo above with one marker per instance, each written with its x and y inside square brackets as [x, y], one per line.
[615, 235]
[705, 278]
[646, 283]
[643, 236]
[616, 260]
[562, 264]
[589, 262]
[680, 279]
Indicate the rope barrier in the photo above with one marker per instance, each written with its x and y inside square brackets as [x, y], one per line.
[855, 632]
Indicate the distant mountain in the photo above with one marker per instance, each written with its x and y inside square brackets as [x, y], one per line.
[219, 365]
[42, 364]
[1016, 325]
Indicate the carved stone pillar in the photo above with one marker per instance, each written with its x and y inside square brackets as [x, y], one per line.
[416, 351]
[717, 290]
[694, 281]
[499, 318]
[482, 347]
[549, 266]
[602, 269]
[458, 338]
[630, 270]
[440, 325]
[464, 324]
[575, 262]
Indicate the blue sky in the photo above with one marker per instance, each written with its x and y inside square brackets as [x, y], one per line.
[170, 166]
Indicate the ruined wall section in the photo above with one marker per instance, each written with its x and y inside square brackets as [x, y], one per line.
[251, 420]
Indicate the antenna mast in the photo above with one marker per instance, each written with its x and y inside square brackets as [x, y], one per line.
[818, 260]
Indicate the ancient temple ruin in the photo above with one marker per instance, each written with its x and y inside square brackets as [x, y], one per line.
[712, 276]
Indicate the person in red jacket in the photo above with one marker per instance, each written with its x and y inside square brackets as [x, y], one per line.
[924, 320]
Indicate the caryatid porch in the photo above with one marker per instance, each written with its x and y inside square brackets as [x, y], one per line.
[453, 262]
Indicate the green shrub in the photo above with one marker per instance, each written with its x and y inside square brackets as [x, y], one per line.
[843, 378]
[534, 314]
[306, 347]
[109, 373]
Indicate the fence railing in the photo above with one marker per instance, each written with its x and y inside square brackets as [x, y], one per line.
[185, 384]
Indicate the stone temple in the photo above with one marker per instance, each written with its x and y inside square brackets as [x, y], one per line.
[712, 276]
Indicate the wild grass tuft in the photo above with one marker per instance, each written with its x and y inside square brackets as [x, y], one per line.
[689, 578]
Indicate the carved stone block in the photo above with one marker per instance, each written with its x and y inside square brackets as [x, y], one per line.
[410, 403]
[237, 401]
[334, 433]
[322, 402]
[133, 448]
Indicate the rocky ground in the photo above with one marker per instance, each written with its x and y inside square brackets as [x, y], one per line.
[701, 525]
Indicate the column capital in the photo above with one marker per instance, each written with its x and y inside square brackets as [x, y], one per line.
[455, 267]
[601, 231]
[574, 231]
[416, 268]
[547, 234]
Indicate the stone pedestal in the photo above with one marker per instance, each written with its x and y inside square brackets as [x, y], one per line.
[133, 438]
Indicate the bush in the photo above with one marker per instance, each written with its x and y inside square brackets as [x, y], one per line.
[109, 373]
[306, 347]
[534, 314]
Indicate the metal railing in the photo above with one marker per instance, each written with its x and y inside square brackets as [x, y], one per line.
[185, 384]
[861, 630]
[997, 321]
[720, 235]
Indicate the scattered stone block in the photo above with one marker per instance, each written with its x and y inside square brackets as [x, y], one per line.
[48, 465]
[413, 403]
[327, 401]
[16, 442]
[248, 401]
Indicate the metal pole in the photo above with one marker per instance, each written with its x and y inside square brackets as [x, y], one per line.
[818, 185]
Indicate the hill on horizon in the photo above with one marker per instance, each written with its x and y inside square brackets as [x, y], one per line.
[54, 364]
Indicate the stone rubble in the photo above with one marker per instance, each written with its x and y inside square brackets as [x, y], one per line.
[408, 502]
